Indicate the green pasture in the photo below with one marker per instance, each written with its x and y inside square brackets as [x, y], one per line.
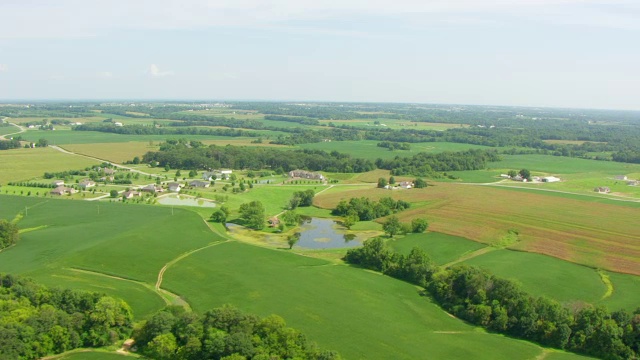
[625, 292]
[368, 149]
[564, 165]
[275, 198]
[26, 164]
[359, 313]
[441, 248]
[365, 123]
[8, 129]
[544, 275]
[62, 137]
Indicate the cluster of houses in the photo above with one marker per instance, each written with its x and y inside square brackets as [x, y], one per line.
[303, 174]
[216, 175]
[61, 189]
[607, 190]
[400, 185]
[545, 179]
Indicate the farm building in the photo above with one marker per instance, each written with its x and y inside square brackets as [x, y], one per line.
[199, 184]
[405, 184]
[58, 182]
[633, 182]
[117, 124]
[174, 187]
[62, 190]
[620, 177]
[602, 189]
[130, 194]
[303, 174]
[550, 179]
[274, 221]
[86, 183]
[152, 189]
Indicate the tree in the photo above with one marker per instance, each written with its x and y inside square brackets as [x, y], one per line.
[382, 182]
[136, 160]
[253, 214]
[163, 347]
[178, 173]
[392, 226]
[392, 180]
[419, 225]
[290, 218]
[526, 174]
[512, 173]
[350, 219]
[419, 183]
[219, 216]
[113, 193]
[302, 198]
[42, 143]
[8, 233]
[193, 173]
[293, 239]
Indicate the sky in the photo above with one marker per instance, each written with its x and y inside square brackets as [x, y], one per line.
[555, 53]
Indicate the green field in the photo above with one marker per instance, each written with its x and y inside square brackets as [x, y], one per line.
[363, 315]
[442, 248]
[25, 164]
[62, 137]
[368, 149]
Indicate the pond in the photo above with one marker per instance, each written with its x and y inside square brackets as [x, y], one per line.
[318, 233]
[182, 200]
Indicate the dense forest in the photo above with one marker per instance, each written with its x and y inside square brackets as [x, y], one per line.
[500, 305]
[36, 321]
[224, 332]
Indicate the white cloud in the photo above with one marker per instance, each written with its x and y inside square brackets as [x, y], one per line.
[154, 71]
[81, 18]
[4, 67]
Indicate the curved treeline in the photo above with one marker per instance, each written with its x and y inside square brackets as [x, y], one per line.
[500, 305]
[224, 332]
[179, 156]
[36, 321]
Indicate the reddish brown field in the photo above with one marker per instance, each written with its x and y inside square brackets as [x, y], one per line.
[594, 234]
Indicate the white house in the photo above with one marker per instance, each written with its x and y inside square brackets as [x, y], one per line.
[174, 187]
[620, 177]
[550, 179]
[117, 123]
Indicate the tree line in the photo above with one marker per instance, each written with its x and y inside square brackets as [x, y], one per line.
[500, 305]
[223, 333]
[36, 321]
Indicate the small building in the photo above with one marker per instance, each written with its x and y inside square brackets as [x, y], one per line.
[274, 221]
[107, 179]
[199, 184]
[602, 189]
[118, 123]
[620, 177]
[174, 186]
[130, 194]
[226, 172]
[505, 176]
[63, 190]
[151, 189]
[58, 182]
[405, 184]
[550, 179]
[303, 174]
[108, 171]
[86, 183]
[633, 182]
[209, 176]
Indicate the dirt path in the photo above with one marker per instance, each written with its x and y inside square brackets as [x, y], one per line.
[56, 147]
[3, 137]
[470, 255]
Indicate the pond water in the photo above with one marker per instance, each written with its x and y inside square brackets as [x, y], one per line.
[318, 233]
[179, 200]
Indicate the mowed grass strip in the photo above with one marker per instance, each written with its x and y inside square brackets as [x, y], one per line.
[606, 236]
[26, 164]
[361, 314]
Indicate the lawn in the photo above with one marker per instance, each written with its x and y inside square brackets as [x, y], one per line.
[363, 315]
[605, 236]
[26, 164]
[625, 292]
[441, 248]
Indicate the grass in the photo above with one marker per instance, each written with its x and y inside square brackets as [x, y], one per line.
[344, 315]
[604, 236]
[441, 248]
[25, 164]
[625, 292]
[64, 137]
[368, 149]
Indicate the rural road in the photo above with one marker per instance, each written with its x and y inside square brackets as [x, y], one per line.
[55, 147]
[3, 137]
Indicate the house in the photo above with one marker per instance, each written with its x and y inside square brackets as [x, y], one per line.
[62, 190]
[505, 176]
[303, 174]
[274, 221]
[86, 183]
[602, 189]
[108, 171]
[117, 123]
[174, 186]
[620, 177]
[405, 184]
[107, 178]
[151, 188]
[130, 194]
[199, 184]
[550, 179]
[209, 176]
[226, 172]
[58, 182]
[633, 182]
[517, 178]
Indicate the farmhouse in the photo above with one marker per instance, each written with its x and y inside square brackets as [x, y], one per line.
[199, 184]
[86, 183]
[151, 188]
[274, 221]
[130, 194]
[550, 179]
[303, 174]
[174, 187]
[620, 177]
[209, 176]
[406, 184]
[58, 182]
[62, 190]
[108, 171]
[602, 189]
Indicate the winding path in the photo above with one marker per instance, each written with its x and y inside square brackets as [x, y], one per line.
[2, 137]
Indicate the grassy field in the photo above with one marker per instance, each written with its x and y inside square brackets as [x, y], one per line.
[605, 236]
[25, 164]
[368, 149]
[393, 124]
[442, 248]
[343, 315]
[64, 137]
[625, 292]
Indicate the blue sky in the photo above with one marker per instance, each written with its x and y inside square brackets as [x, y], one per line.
[558, 53]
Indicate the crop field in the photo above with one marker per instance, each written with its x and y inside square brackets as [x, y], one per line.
[25, 164]
[114, 152]
[368, 149]
[393, 124]
[564, 165]
[605, 236]
[441, 248]
[337, 314]
[64, 137]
